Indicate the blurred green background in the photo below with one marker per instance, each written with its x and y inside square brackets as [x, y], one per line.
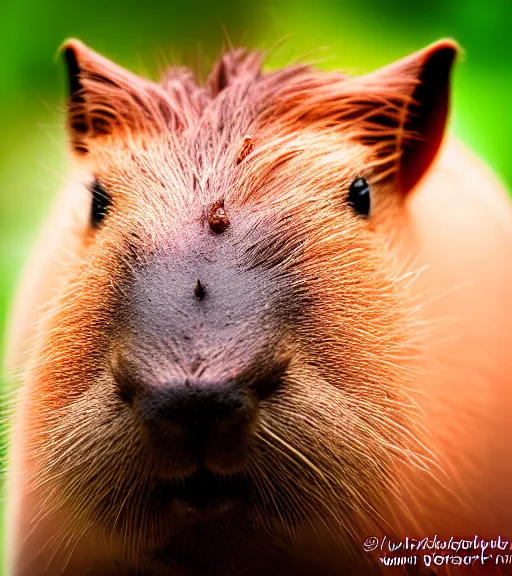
[354, 36]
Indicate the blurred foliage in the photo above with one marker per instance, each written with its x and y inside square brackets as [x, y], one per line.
[144, 35]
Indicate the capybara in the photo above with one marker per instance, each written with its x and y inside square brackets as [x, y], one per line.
[267, 330]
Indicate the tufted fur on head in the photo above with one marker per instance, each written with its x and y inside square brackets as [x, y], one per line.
[277, 152]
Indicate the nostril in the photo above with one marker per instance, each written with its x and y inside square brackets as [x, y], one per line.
[124, 379]
[265, 387]
[126, 392]
[269, 382]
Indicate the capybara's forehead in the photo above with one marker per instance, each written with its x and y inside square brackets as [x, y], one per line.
[203, 131]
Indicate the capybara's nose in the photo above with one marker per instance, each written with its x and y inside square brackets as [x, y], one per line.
[200, 410]
[198, 414]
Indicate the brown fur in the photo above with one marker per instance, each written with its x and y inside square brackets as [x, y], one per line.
[336, 456]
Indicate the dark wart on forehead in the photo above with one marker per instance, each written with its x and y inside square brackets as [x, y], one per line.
[199, 291]
[246, 149]
[218, 218]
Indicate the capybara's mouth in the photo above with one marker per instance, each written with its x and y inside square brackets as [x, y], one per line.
[204, 491]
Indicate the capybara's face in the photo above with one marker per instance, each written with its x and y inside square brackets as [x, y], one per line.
[230, 354]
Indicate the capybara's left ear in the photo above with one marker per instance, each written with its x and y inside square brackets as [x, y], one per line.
[107, 101]
[425, 108]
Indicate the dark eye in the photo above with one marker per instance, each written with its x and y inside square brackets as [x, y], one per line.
[100, 203]
[359, 196]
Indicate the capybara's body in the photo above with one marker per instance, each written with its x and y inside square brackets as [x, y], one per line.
[269, 319]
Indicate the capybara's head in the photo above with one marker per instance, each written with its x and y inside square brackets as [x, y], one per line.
[228, 361]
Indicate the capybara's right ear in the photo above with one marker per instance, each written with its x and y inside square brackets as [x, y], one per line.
[107, 101]
[424, 78]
